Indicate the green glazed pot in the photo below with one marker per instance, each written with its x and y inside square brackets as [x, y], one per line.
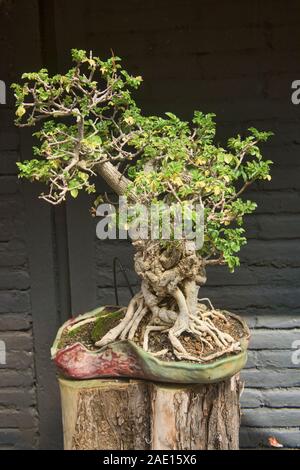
[126, 359]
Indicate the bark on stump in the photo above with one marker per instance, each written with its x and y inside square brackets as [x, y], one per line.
[138, 415]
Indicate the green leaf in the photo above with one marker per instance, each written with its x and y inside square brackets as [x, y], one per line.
[228, 158]
[74, 193]
[20, 111]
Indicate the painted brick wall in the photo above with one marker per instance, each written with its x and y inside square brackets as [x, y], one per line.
[17, 395]
[18, 423]
[18, 404]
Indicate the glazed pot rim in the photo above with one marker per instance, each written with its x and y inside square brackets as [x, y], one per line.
[244, 341]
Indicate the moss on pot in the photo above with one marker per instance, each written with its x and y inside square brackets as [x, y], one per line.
[105, 322]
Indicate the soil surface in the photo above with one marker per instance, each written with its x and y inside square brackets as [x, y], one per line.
[82, 335]
[157, 340]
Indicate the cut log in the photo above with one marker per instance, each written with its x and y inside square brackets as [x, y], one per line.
[105, 414]
[138, 415]
[203, 417]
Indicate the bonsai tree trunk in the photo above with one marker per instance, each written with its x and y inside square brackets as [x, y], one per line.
[168, 301]
[137, 415]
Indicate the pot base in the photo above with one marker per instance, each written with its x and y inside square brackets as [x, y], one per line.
[127, 359]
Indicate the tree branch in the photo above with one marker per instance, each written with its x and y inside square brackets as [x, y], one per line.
[113, 177]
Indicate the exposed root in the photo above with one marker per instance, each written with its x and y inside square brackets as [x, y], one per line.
[182, 324]
[159, 314]
[195, 319]
[133, 320]
[209, 335]
[171, 276]
[115, 332]
[162, 352]
[136, 323]
[148, 331]
[204, 313]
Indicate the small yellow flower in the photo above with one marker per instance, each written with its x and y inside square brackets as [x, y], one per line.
[177, 181]
[217, 190]
[129, 120]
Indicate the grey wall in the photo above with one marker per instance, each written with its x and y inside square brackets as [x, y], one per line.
[236, 59]
[18, 400]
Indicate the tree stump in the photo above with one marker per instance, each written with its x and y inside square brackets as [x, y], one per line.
[139, 415]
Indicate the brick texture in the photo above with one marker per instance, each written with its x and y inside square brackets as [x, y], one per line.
[18, 404]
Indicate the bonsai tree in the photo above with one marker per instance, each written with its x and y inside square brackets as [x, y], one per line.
[88, 124]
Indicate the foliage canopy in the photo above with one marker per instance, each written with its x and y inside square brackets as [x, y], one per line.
[88, 117]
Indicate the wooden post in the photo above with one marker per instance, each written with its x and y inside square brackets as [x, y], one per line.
[138, 415]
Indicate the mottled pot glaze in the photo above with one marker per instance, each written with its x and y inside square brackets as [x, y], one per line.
[126, 359]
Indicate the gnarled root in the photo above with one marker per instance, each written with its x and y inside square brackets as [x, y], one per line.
[128, 324]
[199, 324]
[169, 297]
